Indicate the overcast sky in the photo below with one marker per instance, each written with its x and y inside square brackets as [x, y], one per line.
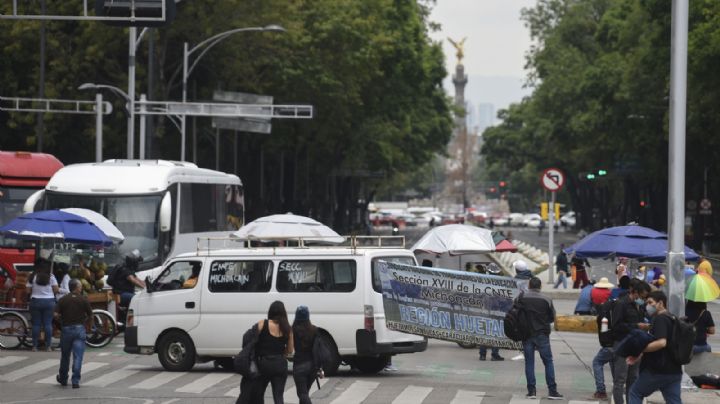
[494, 50]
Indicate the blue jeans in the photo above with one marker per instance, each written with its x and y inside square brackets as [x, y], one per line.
[649, 382]
[41, 313]
[562, 278]
[494, 351]
[604, 355]
[701, 348]
[72, 341]
[125, 298]
[541, 343]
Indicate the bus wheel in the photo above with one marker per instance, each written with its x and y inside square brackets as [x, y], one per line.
[370, 365]
[176, 352]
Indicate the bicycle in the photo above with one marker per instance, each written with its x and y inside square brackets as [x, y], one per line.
[15, 330]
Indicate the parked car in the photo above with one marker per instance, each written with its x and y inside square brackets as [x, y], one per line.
[515, 219]
[501, 221]
[568, 219]
[531, 217]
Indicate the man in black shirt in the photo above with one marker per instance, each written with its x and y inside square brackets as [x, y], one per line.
[561, 264]
[626, 315]
[658, 368]
[540, 313]
[74, 311]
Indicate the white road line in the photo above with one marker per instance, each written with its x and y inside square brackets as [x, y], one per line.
[233, 393]
[158, 380]
[9, 360]
[356, 393]
[30, 369]
[86, 368]
[116, 376]
[583, 402]
[468, 397]
[412, 395]
[520, 399]
[290, 396]
[204, 383]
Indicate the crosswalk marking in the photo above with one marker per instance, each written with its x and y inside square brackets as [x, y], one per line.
[158, 380]
[235, 392]
[290, 396]
[115, 376]
[468, 397]
[30, 369]
[9, 360]
[520, 399]
[356, 393]
[412, 395]
[86, 368]
[204, 383]
[583, 402]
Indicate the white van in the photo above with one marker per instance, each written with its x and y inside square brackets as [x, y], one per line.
[340, 285]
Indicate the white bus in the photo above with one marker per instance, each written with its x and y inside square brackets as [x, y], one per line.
[161, 207]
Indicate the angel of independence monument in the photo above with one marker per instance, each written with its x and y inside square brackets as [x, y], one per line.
[462, 148]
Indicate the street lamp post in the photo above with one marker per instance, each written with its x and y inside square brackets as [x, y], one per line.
[208, 44]
[121, 93]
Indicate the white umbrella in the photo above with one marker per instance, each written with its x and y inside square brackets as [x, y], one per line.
[100, 221]
[455, 239]
[288, 226]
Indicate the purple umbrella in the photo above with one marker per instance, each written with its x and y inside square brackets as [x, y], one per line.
[626, 241]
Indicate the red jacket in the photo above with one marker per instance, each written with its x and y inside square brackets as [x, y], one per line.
[599, 295]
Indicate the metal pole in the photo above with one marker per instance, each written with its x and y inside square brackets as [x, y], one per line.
[217, 149]
[131, 93]
[143, 125]
[676, 166]
[184, 99]
[98, 126]
[551, 236]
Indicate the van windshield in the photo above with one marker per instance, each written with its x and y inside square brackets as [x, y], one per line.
[377, 285]
[136, 216]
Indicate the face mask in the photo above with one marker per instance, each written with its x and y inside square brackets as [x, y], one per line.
[639, 301]
[651, 310]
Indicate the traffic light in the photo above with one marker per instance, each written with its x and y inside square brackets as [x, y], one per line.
[590, 176]
[137, 9]
[502, 184]
[544, 210]
[602, 172]
[643, 204]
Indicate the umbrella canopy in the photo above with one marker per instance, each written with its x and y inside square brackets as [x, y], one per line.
[628, 241]
[702, 288]
[105, 225]
[288, 226]
[455, 239]
[55, 225]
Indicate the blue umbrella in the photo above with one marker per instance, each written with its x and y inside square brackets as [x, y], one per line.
[55, 225]
[626, 241]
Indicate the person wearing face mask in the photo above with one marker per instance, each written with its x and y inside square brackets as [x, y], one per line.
[658, 369]
[627, 314]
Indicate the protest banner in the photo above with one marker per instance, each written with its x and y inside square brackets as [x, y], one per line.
[449, 305]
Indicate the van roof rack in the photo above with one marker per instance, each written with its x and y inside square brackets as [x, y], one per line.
[207, 244]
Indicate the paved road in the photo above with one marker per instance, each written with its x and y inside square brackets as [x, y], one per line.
[445, 373]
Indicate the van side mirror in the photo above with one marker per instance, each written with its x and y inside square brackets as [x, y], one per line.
[166, 213]
[149, 284]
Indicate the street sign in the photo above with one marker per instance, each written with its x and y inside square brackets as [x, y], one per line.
[705, 207]
[552, 179]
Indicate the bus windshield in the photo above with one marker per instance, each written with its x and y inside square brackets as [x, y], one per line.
[11, 206]
[136, 216]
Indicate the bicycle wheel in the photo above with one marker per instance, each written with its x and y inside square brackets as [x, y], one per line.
[103, 329]
[13, 330]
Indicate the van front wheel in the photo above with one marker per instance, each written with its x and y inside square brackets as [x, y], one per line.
[176, 352]
[370, 365]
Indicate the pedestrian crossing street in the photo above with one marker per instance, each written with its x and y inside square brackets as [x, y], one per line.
[209, 383]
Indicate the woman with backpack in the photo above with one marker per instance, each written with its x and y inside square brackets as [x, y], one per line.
[697, 313]
[304, 369]
[274, 344]
[42, 289]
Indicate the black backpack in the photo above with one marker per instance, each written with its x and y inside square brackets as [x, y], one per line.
[516, 325]
[682, 340]
[322, 356]
[605, 310]
[113, 276]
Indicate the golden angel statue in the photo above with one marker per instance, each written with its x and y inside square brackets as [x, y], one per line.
[459, 47]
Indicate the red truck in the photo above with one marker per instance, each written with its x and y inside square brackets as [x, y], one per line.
[21, 174]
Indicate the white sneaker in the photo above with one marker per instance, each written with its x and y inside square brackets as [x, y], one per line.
[390, 368]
